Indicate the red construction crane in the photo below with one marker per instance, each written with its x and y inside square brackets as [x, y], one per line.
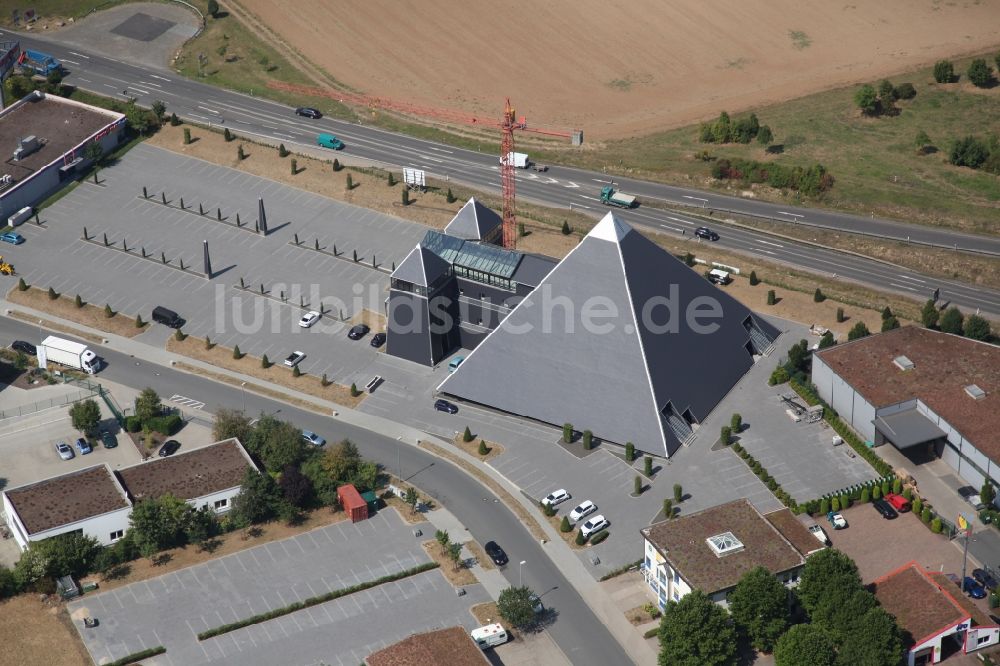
[507, 124]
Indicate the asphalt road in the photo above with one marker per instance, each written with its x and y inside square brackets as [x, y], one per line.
[577, 630]
[560, 186]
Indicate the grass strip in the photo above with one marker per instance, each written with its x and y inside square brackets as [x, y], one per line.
[139, 656]
[314, 601]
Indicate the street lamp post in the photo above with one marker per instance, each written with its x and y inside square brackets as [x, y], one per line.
[520, 568]
[243, 390]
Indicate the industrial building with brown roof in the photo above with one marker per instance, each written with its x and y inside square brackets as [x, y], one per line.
[189, 475]
[943, 365]
[67, 499]
[744, 538]
[452, 646]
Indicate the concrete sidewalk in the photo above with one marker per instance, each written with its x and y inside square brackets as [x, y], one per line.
[558, 552]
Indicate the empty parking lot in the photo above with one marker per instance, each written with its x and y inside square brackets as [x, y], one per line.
[172, 609]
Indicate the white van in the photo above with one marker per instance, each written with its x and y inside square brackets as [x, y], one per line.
[718, 276]
[489, 636]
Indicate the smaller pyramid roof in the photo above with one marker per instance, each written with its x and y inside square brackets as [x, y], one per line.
[473, 221]
[421, 267]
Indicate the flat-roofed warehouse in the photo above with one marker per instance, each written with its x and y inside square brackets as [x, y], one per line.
[42, 143]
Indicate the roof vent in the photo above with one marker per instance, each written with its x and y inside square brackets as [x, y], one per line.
[975, 392]
[724, 544]
[903, 363]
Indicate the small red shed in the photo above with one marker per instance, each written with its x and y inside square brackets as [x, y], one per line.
[353, 503]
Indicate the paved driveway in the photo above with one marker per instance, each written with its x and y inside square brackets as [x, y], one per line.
[172, 609]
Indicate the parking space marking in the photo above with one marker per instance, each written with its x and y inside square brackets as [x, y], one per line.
[184, 401]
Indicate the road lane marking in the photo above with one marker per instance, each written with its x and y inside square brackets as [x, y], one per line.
[768, 243]
[205, 108]
[901, 286]
[72, 62]
[907, 277]
[154, 76]
[80, 55]
[441, 150]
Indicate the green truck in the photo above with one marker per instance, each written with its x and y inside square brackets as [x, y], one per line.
[611, 197]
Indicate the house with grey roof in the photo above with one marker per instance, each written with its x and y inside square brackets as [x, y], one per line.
[476, 222]
[619, 338]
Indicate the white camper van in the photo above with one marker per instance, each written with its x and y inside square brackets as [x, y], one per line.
[489, 636]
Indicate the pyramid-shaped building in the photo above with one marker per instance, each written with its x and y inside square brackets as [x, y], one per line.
[619, 338]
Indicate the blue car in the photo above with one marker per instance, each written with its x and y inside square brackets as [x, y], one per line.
[973, 588]
[84, 448]
[12, 237]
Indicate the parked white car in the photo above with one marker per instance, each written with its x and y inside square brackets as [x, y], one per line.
[556, 497]
[585, 509]
[593, 526]
[309, 318]
[294, 359]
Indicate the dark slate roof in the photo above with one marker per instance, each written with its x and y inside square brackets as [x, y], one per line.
[609, 379]
[908, 428]
[533, 269]
[421, 267]
[473, 222]
[68, 498]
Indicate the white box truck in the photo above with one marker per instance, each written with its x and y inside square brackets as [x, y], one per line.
[489, 636]
[66, 352]
[519, 160]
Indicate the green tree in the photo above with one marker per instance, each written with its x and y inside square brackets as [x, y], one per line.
[213, 8]
[678, 493]
[980, 74]
[976, 328]
[759, 606]
[442, 537]
[944, 71]
[8, 583]
[921, 141]
[93, 151]
[858, 331]
[85, 416]
[866, 99]
[987, 494]
[566, 230]
[138, 119]
[696, 631]
[564, 526]
[516, 606]
[259, 499]
[823, 571]
[929, 314]
[411, 498]
[231, 423]
[567, 436]
[148, 405]
[277, 443]
[952, 321]
[296, 488]
[70, 554]
[30, 568]
[805, 645]
[668, 508]
[342, 462]
[764, 136]
[968, 152]
[827, 340]
[840, 608]
[905, 91]
[467, 436]
[158, 523]
[455, 554]
[873, 641]
[886, 92]
[889, 324]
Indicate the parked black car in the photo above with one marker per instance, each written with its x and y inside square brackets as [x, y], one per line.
[358, 332]
[885, 509]
[445, 406]
[169, 448]
[378, 339]
[984, 578]
[24, 347]
[706, 233]
[109, 440]
[308, 112]
[496, 553]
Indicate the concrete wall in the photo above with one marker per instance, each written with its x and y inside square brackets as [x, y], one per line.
[406, 333]
[210, 500]
[100, 527]
[848, 403]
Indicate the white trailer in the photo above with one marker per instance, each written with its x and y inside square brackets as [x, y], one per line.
[519, 160]
[66, 352]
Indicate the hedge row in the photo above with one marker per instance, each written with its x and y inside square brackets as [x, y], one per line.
[625, 568]
[768, 480]
[806, 393]
[139, 656]
[599, 537]
[165, 425]
[313, 601]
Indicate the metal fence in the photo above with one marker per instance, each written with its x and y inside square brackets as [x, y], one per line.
[42, 405]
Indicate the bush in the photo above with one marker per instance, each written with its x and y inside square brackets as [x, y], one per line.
[908, 493]
[866, 495]
[294, 166]
[350, 182]
[142, 654]
[952, 321]
[944, 71]
[564, 526]
[139, 323]
[588, 439]
[580, 540]
[296, 372]
[637, 485]
[917, 505]
[240, 153]
[736, 423]
[629, 452]
[818, 296]
[678, 493]
[22, 285]
[133, 424]
[858, 331]
[483, 449]
[968, 152]
[567, 436]
[227, 135]
[187, 135]
[779, 376]
[53, 295]
[764, 135]
[980, 74]
[905, 91]
[165, 425]
[405, 197]
[566, 230]
[282, 151]
[771, 299]
[174, 120]
[936, 526]
[835, 504]
[391, 180]
[237, 354]
[78, 302]
[668, 508]
[925, 515]
[897, 485]
[647, 466]
[467, 435]
[824, 506]
[726, 435]
[265, 362]
[599, 537]
[450, 198]
[354, 391]
[889, 324]
[547, 509]
[336, 165]
[876, 492]
[754, 280]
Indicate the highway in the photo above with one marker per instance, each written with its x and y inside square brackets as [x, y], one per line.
[576, 629]
[560, 186]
